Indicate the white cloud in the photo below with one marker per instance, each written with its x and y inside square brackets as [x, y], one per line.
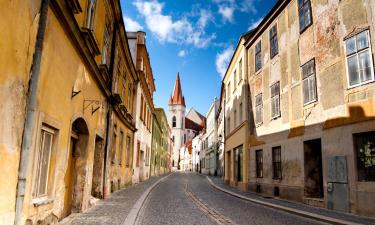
[255, 23]
[174, 31]
[227, 8]
[204, 17]
[181, 53]
[222, 60]
[132, 25]
[226, 12]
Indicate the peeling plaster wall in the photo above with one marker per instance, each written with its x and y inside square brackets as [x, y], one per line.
[17, 42]
[337, 107]
[61, 70]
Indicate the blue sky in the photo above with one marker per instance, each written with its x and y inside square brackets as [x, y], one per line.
[193, 37]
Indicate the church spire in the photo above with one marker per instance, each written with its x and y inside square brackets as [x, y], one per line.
[177, 98]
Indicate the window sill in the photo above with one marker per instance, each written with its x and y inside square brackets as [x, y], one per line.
[275, 117]
[258, 124]
[361, 84]
[42, 201]
[310, 104]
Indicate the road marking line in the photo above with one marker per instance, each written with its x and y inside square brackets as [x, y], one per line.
[213, 214]
[298, 212]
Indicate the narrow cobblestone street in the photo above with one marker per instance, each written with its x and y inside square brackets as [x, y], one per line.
[171, 203]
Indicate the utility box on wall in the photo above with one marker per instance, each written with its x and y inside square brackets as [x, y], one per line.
[337, 186]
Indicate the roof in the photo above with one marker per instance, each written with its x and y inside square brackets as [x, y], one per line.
[189, 124]
[177, 98]
[188, 145]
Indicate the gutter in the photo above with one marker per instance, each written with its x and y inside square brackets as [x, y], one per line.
[31, 107]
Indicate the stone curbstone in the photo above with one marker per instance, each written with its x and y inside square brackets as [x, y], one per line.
[132, 217]
[305, 214]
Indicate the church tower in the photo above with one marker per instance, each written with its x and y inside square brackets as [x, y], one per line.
[176, 119]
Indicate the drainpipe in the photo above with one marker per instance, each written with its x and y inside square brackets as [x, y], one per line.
[31, 107]
[109, 113]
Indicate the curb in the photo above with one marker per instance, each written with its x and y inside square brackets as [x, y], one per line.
[305, 214]
[131, 218]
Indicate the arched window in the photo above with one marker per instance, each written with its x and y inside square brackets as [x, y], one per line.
[174, 121]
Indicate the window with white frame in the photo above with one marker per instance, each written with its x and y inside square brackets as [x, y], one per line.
[275, 100]
[43, 163]
[258, 109]
[258, 56]
[91, 5]
[359, 63]
[234, 80]
[309, 82]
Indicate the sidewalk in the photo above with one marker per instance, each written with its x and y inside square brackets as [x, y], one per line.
[115, 209]
[292, 207]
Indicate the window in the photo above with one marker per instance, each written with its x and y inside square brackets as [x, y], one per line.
[259, 163]
[273, 42]
[305, 16]
[43, 163]
[128, 143]
[141, 105]
[90, 14]
[275, 100]
[234, 80]
[276, 162]
[240, 109]
[138, 152]
[114, 143]
[228, 91]
[121, 147]
[309, 82]
[106, 41]
[240, 71]
[174, 121]
[129, 96]
[235, 118]
[359, 63]
[258, 56]
[228, 124]
[258, 109]
[364, 144]
[123, 91]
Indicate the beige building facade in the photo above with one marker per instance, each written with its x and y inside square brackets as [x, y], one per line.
[235, 106]
[144, 106]
[312, 104]
[61, 66]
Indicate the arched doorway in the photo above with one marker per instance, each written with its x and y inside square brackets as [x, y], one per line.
[76, 172]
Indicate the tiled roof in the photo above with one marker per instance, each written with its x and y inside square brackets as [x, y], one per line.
[177, 98]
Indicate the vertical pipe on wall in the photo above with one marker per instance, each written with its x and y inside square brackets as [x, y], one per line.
[31, 105]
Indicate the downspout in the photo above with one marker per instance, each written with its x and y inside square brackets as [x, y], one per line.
[109, 113]
[31, 106]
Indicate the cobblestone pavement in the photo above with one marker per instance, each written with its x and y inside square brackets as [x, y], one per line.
[187, 198]
[113, 210]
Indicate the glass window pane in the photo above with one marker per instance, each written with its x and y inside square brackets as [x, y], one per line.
[362, 40]
[312, 88]
[306, 91]
[44, 163]
[350, 46]
[353, 70]
[365, 66]
[307, 15]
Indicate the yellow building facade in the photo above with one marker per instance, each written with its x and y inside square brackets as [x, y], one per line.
[63, 67]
